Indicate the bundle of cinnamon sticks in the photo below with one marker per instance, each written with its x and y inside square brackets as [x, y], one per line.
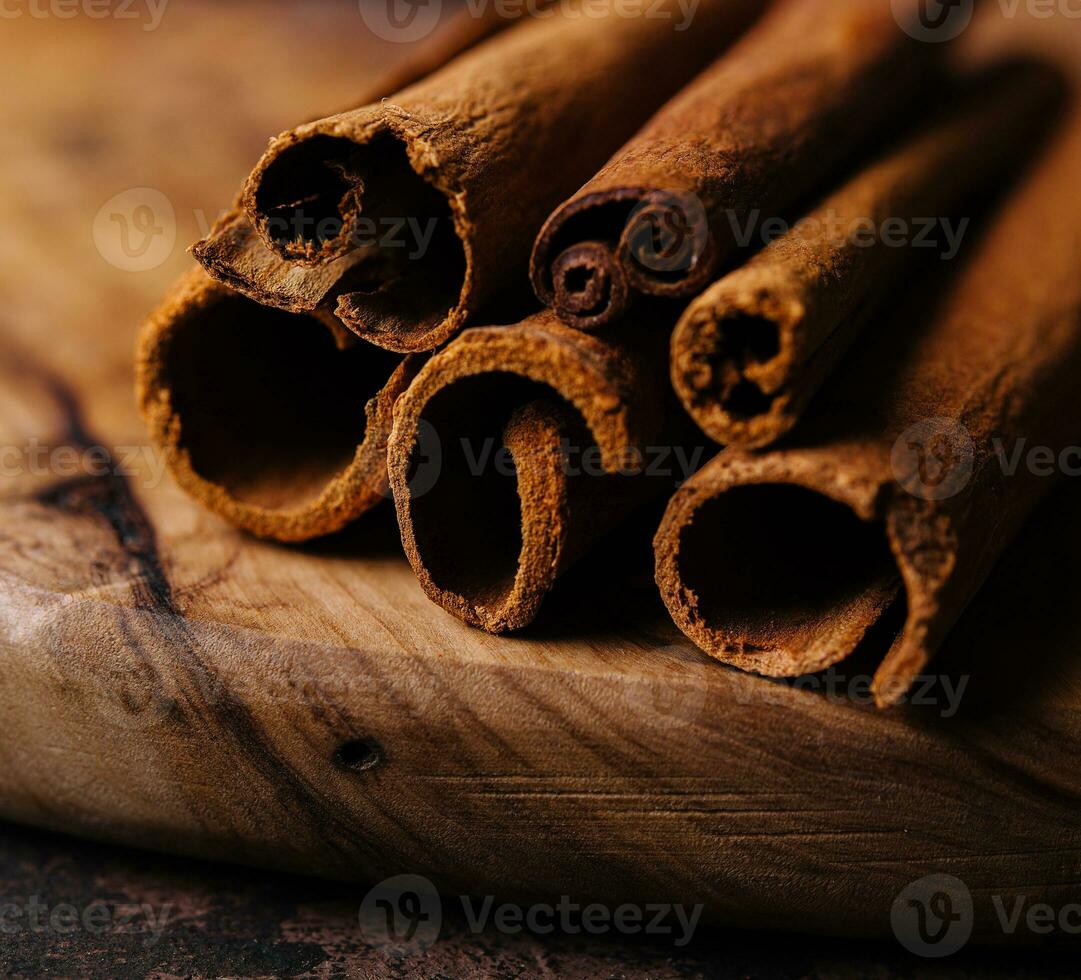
[791, 228]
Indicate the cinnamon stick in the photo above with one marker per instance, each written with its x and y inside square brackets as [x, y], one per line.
[475, 157]
[901, 491]
[514, 450]
[262, 415]
[750, 352]
[239, 443]
[764, 126]
[235, 255]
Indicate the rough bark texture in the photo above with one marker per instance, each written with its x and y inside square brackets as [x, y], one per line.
[573, 414]
[261, 415]
[765, 125]
[751, 351]
[481, 151]
[902, 483]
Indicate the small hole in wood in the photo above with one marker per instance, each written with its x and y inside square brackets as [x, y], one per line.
[358, 755]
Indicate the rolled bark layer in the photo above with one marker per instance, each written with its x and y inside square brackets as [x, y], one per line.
[903, 490]
[464, 166]
[751, 351]
[512, 452]
[761, 128]
[235, 255]
[263, 416]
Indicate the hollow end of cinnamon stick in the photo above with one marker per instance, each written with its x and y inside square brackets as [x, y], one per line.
[589, 289]
[487, 465]
[666, 248]
[784, 567]
[801, 94]
[485, 149]
[262, 416]
[811, 581]
[893, 503]
[489, 537]
[235, 254]
[751, 351]
[728, 365]
[595, 251]
[394, 235]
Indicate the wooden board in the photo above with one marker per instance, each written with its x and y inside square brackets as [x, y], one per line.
[169, 683]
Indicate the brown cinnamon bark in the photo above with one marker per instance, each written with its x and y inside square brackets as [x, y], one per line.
[514, 450]
[235, 255]
[765, 125]
[480, 152]
[751, 351]
[239, 445]
[900, 491]
[261, 415]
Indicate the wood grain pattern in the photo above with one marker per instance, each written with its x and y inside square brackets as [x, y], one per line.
[170, 683]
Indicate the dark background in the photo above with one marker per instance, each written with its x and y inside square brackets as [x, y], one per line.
[234, 922]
